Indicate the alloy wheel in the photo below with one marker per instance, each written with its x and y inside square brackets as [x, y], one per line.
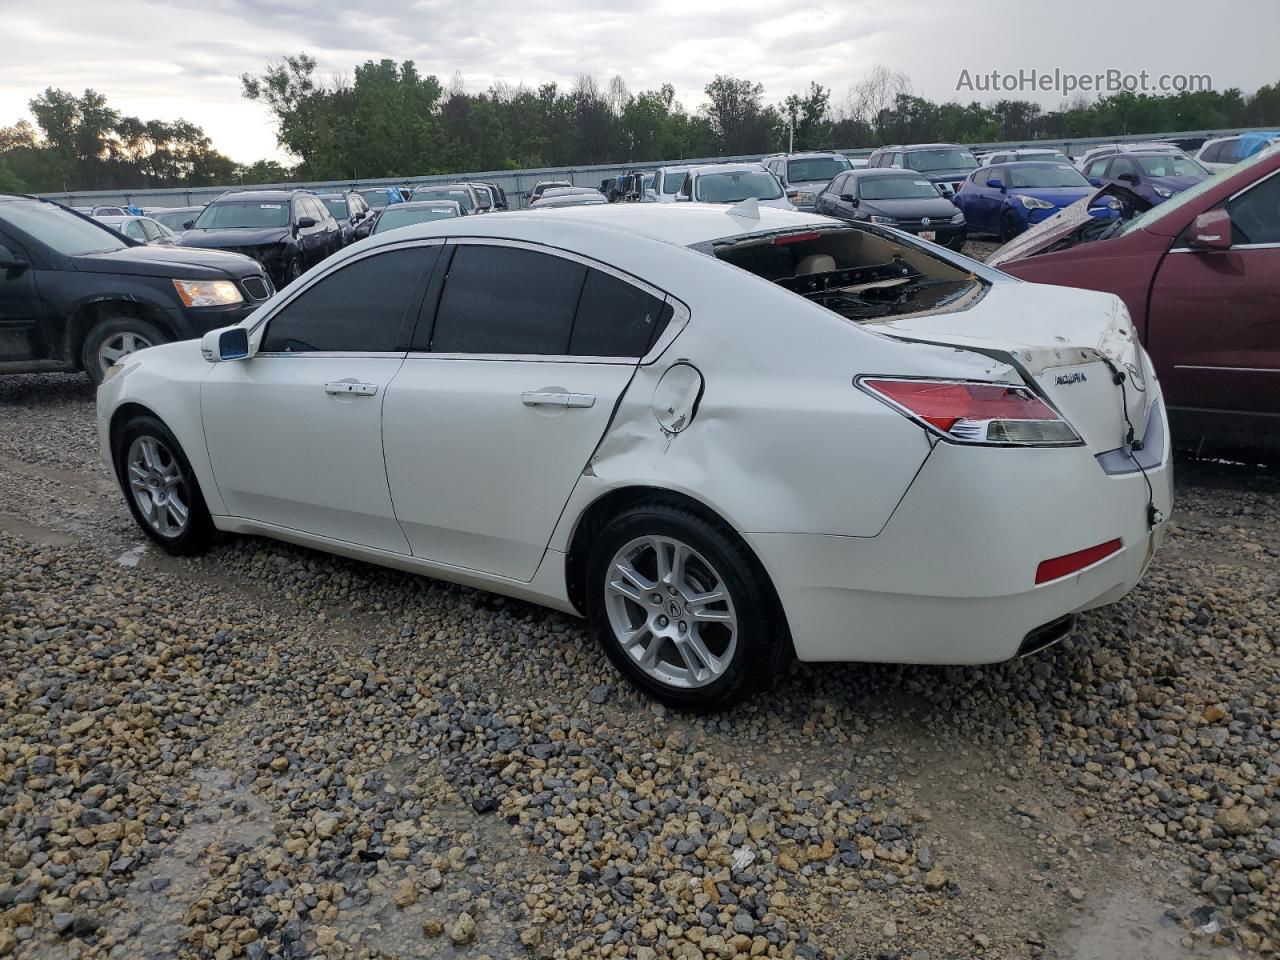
[158, 487]
[671, 612]
[118, 346]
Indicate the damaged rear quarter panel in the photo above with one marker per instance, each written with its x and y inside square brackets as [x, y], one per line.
[782, 441]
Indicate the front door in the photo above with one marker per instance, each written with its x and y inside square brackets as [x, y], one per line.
[1214, 327]
[20, 307]
[503, 400]
[295, 432]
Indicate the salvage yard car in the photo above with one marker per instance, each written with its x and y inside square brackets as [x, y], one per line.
[895, 198]
[1007, 198]
[1153, 176]
[946, 164]
[415, 211]
[721, 437]
[75, 295]
[733, 183]
[804, 175]
[287, 231]
[1200, 274]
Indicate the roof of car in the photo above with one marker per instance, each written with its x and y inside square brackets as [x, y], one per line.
[919, 146]
[260, 194]
[683, 224]
[749, 166]
[424, 204]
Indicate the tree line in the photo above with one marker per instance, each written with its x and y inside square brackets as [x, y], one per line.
[389, 120]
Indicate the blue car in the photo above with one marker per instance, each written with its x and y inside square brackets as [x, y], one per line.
[1007, 198]
[1153, 176]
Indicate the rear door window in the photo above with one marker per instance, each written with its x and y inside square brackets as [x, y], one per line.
[507, 300]
[616, 318]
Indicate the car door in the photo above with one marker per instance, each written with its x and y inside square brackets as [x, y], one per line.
[294, 433]
[828, 200]
[21, 309]
[987, 202]
[505, 395]
[1213, 328]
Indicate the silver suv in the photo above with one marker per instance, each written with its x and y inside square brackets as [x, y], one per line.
[804, 175]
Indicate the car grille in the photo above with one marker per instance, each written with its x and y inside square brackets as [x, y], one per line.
[259, 288]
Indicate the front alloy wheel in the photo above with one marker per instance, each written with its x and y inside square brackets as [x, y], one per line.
[671, 612]
[158, 487]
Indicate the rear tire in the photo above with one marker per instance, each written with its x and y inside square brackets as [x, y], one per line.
[683, 609]
[161, 489]
[112, 340]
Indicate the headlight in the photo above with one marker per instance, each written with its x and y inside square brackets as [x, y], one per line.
[1162, 192]
[958, 218]
[886, 221]
[208, 293]
[1034, 203]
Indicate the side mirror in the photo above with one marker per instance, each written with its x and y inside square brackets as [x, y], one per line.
[994, 184]
[356, 218]
[305, 222]
[228, 343]
[188, 224]
[11, 261]
[1128, 177]
[1210, 231]
[849, 198]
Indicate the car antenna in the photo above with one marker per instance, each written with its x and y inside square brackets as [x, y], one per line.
[749, 208]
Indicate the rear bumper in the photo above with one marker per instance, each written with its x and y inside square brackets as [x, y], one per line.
[951, 578]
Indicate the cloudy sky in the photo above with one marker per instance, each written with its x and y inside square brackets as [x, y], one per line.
[183, 58]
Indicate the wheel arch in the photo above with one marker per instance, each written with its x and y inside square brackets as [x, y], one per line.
[608, 505]
[119, 417]
[90, 313]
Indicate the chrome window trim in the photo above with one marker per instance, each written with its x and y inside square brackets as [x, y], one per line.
[332, 354]
[1238, 246]
[679, 315]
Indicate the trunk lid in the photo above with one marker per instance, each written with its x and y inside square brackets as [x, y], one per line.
[1070, 343]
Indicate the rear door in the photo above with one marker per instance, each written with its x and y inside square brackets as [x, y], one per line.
[504, 397]
[1214, 327]
[294, 432]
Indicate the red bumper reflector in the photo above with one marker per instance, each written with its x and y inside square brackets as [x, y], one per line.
[1062, 566]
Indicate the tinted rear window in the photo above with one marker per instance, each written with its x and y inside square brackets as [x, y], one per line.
[616, 318]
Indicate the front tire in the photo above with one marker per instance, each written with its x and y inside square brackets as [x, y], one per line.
[161, 489]
[682, 608]
[112, 340]
[1009, 227]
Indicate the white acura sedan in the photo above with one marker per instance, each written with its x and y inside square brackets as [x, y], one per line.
[724, 436]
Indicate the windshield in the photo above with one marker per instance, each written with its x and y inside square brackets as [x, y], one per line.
[671, 180]
[393, 217]
[815, 168]
[1047, 176]
[1178, 200]
[738, 185]
[174, 219]
[1044, 158]
[375, 198]
[70, 235]
[337, 207]
[1170, 165]
[941, 158]
[243, 215]
[446, 193]
[896, 188]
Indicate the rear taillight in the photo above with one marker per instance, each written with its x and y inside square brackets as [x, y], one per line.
[1003, 414]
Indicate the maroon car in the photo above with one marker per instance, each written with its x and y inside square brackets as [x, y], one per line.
[1200, 274]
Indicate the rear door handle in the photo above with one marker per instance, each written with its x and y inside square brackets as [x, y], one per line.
[350, 388]
[551, 398]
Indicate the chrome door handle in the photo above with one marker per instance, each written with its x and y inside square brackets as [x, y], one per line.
[548, 398]
[350, 388]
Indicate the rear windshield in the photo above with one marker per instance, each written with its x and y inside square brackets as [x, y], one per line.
[59, 229]
[896, 188]
[394, 217]
[1046, 176]
[735, 186]
[815, 168]
[862, 274]
[337, 207]
[941, 158]
[246, 214]
[445, 193]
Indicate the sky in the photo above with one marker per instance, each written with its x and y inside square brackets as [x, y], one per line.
[183, 58]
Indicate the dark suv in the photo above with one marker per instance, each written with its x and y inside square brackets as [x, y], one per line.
[75, 295]
[946, 164]
[287, 231]
[351, 212]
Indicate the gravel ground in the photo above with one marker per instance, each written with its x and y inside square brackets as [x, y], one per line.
[272, 752]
